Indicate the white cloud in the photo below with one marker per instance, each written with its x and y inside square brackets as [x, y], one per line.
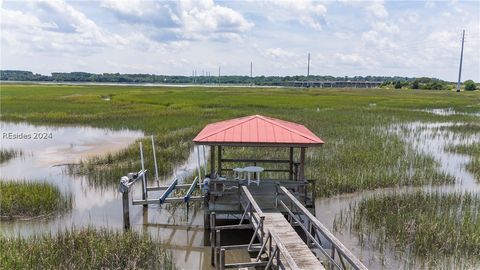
[388, 27]
[278, 53]
[64, 30]
[374, 8]
[307, 12]
[190, 20]
[430, 4]
[354, 59]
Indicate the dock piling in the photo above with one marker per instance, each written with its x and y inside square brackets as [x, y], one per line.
[126, 210]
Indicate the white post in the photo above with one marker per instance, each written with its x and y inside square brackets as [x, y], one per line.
[198, 163]
[204, 160]
[144, 180]
[155, 160]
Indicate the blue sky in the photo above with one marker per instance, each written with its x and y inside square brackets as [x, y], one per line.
[344, 38]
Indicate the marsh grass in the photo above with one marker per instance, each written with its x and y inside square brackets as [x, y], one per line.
[171, 149]
[7, 154]
[358, 153]
[31, 199]
[433, 227]
[84, 249]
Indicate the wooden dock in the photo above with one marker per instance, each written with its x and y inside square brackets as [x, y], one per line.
[299, 251]
[286, 235]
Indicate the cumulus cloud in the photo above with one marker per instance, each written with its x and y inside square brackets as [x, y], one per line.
[53, 27]
[373, 8]
[307, 12]
[182, 20]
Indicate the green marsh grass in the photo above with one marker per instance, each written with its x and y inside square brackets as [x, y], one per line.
[31, 199]
[7, 154]
[84, 249]
[429, 226]
[358, 153]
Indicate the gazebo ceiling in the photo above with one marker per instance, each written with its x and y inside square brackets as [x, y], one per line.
[257, 130]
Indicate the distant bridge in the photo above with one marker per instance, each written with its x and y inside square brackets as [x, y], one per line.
[333, 84]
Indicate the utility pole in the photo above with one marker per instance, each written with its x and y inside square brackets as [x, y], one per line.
[251, 73]
[308, 65]
[218, 75]
[461, 60]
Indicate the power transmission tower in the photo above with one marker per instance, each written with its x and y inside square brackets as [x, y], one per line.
[308, 65]
[461, 60]
[251, 73]
[218, 75]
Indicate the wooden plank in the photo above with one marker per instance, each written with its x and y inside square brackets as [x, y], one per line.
[299, 252]
[251, 160]
[341, 249]
[245, 265]
[183, 186]
[167, 200]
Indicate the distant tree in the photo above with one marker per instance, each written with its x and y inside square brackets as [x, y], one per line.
[398, 85]
[470, 85]
[415, 85]
[436, 86]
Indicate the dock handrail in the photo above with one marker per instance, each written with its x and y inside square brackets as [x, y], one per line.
[255, 215]
[318, 227]
[252, 201]
[276, 250]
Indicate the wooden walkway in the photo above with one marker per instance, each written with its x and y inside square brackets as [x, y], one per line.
[301, 254]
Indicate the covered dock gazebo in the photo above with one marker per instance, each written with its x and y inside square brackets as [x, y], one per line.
[257, 131]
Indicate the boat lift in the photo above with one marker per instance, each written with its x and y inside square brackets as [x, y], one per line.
[127, 182]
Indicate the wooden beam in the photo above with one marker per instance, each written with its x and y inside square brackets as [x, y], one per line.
[301, 173]
[219, 171]
[250, 160]
[291, 164]
[212, 162]
[167, 200]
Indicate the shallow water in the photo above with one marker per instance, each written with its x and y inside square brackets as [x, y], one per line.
[427, 138]
[45, 159]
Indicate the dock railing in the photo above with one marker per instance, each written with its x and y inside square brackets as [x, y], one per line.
[254, 214]
[317, 234]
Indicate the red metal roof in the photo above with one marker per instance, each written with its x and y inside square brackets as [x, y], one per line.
[257, 130]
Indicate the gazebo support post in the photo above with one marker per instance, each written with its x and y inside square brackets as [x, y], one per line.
[301, 175]
[291, 164]
[212, 162]
[219, 160]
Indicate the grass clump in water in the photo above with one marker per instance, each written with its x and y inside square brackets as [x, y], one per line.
[84, 249]
[431, 226]
[472, 150]
[31, 199]
[7, 154]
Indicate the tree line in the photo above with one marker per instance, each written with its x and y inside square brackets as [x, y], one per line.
[388, 81]
[427, 84]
